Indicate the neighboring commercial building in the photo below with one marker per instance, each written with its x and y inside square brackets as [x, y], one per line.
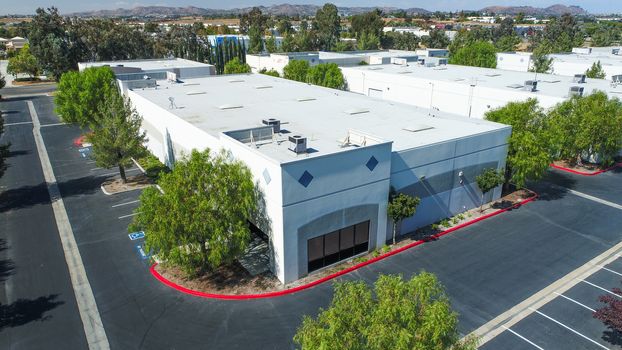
[568, 64]
[15, 43]
[133, 74]
[323, 159]
[467, 91]
[277, 61]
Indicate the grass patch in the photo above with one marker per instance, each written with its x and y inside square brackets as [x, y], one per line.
[153, 167]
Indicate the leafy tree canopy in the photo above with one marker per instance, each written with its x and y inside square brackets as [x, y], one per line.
[23, 63]
[235, 66]
[401, 206]
[327, 75]
[199, 220]
[328, 26]
[596, 71]
[296, 70]
[476, 54]
[488, 180]
[529, 146]
[397, 314]
[81, 94]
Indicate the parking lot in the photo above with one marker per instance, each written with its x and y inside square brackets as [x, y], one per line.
[486, 268]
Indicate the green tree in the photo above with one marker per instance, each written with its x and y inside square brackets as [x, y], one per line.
[596, 71]
[117, 139]
[51, 44]
[437, 39]
[507, 43]
[271, 44]
[327, 75]
[400, 41]
[397, 314]
[235, 66]
[342, 45]
[199, 220]
[367, 41]
[151, 27]
[296, 70]
[560, 34]
[541, 63]
[284, 27]
[270, 72]
[477, 54]
[81, 94]
[369, 22]
[488, 180]
[328, 26]
[529, 146]
[401, 206]
[254, 23]
[23, 63]
[587, 127]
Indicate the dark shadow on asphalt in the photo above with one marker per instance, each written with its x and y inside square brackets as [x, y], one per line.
[613, 336]
[18, 153]
[10, 112]
[7, 267]
[28, 196]
[24, 311]
[561, 184]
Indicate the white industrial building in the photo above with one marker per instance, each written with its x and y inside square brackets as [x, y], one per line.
[568, 64]
[324, 160]
[142, 73]
[467, 91]
[277, 61]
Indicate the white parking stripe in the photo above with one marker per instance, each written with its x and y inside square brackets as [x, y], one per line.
[610, 270]
[17, 123]
[570, 329]
[126, 203]
[595, 199]
[574, 301]
[599, 287]
[523, 338]
[127, 216]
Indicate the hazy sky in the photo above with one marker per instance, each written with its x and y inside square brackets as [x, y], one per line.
[67, 6]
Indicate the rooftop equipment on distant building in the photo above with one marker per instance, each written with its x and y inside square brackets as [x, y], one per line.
[274, 123]
[531, 85]
[576, 91]
[579, 78]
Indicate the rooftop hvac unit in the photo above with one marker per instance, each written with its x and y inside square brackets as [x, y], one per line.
[171, 76]
[615, 51]
[298, 144]
[576, 91]
[399, 60]
[274, 123]
[531, 85]
[442, 61]
[616, 79]
[579, 78]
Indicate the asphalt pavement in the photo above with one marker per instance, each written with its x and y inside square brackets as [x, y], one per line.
[486, 268]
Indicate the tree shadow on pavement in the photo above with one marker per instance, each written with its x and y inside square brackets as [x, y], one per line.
[7, 267]
[28, 196]
[24, 311]
[613, 336]
[553, 186]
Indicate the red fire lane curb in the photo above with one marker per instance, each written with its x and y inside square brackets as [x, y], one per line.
[182, 289]
[583, 173]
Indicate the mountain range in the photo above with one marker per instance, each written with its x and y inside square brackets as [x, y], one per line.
[309, 10]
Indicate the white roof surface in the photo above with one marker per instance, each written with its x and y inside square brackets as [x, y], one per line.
[503, 80]
[149, 64]
[219, 104]
[381, 53]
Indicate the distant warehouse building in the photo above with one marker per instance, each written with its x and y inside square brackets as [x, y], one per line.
[467, 91]
[141, 73]
[324, 159]
[277, 61]
[568, 64]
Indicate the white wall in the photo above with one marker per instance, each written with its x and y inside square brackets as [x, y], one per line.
[514, 61]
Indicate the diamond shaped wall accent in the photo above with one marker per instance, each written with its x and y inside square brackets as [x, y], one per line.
[305, 179]
[371, 163]
[266, 176]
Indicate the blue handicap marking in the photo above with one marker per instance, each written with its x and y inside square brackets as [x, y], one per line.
[142, 253]
[136, 235]
[85, 151]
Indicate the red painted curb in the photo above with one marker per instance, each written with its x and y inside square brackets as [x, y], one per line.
[583, 173]
[182, 289]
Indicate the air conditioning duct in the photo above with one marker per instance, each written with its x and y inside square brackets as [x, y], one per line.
[274, 123]
[531, 85]
[576, 91]
[298, 144]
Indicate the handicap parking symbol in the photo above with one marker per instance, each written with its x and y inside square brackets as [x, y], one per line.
[141, 252]
[85, 151]
[136, 235]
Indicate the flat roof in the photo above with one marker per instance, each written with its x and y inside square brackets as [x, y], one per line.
[149, 64]
[503, 80]
[219, 104]
[375, 53]
[602, 54]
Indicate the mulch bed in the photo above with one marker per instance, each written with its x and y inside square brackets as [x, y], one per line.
[584, 167]
[31, 82]
[133, 183]
[236, 280]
